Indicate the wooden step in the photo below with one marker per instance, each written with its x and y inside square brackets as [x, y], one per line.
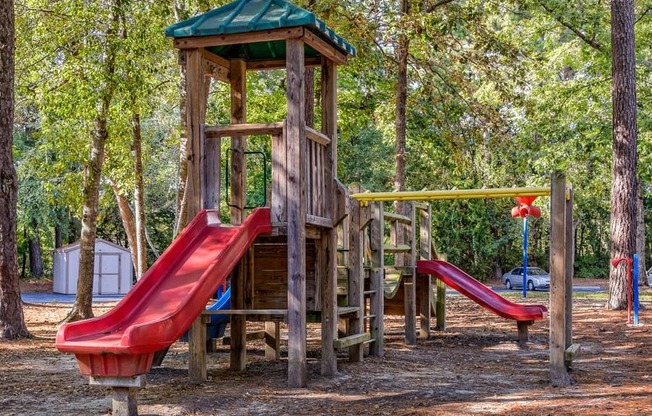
[401, 248]
[352, 340]
[390, 216]
[348, 310]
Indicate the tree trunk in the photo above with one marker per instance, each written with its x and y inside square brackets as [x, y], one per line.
[58, 236]
[623, 170]
[12, 321]
[139, 196]
[128, 223]
[35, 258]
[401, 100]
[401, 123]
[82, 308]
[182, 217]
[640, 237]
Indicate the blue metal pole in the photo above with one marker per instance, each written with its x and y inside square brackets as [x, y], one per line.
[635, 288]
[524, 256]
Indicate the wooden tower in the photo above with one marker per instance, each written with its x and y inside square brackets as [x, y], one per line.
[223, 45]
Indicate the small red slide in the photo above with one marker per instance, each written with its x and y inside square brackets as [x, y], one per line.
[166, 300]
[479, 293]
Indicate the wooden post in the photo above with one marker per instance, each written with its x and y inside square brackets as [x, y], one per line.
[558, 372]
[211, 165]
[440, 306]
[238, 355]
[356, 282]
[425, 281]
[377, 302]
[196, 96]
[238, 70]
[279, 178]
[197, 346]
[410, 280]
[195, 114]
[329, 236]
[238, 143]
[296, 213]
[272, 340]
[522, 327]
[212, 168]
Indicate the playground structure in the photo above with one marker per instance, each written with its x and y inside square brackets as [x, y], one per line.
[283, 260]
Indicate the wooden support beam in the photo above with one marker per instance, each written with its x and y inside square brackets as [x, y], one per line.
[558, 372]
[279, 64]
[356, 279]
[328, 138]
[390, 216]
[197, 345]
[377, 301]
[195, 114]
[571, 352]
[212, 171]
[296, 213]
[272, 341]
[396, 249]
[238, 142]
[278, 203]
[196, 96]
[216, 66]
[324, 48]
[238, 353]
[317, 137]
[352, 340]
[238, 38]
[440, 303]
[244, 129]
[425, 281]
[410, 282]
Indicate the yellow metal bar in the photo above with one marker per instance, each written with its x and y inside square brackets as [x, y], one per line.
[450, 194]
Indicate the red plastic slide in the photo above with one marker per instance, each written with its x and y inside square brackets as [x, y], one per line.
[480, 293]
[166, 300]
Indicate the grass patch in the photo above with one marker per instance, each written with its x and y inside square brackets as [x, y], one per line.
[644, 295]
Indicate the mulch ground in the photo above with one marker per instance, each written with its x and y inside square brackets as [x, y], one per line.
[475, 366]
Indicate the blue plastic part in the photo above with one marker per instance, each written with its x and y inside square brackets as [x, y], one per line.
[635, 288]
[525, 232]
[217, 325]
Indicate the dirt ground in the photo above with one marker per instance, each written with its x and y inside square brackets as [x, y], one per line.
[474, 367]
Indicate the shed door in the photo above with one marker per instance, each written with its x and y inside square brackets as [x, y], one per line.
[106, 280]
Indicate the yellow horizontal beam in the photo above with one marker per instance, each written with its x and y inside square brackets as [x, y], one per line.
[450, 194]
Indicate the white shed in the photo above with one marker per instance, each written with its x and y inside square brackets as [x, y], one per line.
[113, 269]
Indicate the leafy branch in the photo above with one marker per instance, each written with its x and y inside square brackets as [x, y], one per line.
[585, 37]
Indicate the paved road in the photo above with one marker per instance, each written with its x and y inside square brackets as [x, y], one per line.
[59, 298]
[499, 289]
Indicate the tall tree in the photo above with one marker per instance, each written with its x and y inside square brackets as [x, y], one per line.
[623, 172]
[82, 308]
[12, 321]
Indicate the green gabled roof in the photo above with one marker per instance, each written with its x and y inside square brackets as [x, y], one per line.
[244, 16]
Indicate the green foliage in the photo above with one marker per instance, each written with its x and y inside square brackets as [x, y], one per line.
[500, 94]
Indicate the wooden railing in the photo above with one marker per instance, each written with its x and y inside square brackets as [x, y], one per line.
[317, 169]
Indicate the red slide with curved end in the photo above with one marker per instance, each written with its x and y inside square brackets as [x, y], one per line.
[479, 293]
[166, 300]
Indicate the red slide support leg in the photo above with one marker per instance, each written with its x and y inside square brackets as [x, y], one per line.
[523, 335]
